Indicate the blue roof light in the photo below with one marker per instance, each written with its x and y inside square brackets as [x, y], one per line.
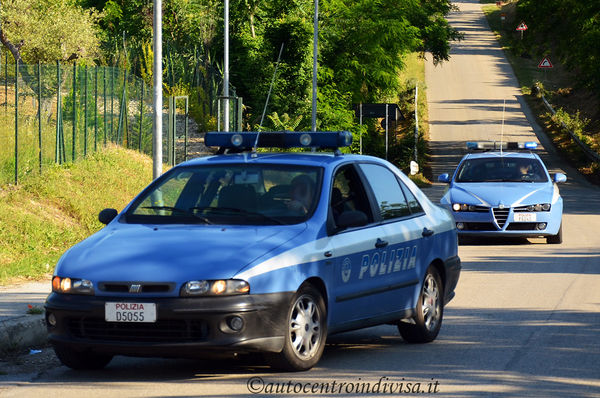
[279, 139]
[497, 145]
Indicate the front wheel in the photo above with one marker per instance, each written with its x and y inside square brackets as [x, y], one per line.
[81, 360]
[427, 322]
[306, 332]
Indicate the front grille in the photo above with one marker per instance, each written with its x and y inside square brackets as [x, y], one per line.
[522, 226]
[501, 215]
[166, 330]
[145, 287]
[480, 226]
[479, 209]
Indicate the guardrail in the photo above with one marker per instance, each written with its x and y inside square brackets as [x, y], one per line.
[589, 152]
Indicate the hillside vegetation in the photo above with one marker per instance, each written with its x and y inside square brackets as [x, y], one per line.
[566, 32]
[45, 215]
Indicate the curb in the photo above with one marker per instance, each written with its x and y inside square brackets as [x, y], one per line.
[22, 332]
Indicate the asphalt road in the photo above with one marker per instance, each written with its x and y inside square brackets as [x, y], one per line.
[525, 320]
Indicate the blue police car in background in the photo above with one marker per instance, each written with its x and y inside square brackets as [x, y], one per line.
[245, 252]
[505, 193]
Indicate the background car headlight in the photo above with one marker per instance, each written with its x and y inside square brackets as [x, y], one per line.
[220, 287]
[463, 207]
[72, 285]
[539, 207]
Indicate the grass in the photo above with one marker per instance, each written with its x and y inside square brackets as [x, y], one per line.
[559, 87]
[44, 215]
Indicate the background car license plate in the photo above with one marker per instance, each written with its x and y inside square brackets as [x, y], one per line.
[130, 312]
[525, 217]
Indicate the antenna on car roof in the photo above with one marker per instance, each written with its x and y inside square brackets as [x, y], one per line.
[262, 118]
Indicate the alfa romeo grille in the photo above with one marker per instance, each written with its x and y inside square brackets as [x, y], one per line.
[501, 215]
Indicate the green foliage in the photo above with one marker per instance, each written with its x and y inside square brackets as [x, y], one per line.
[573, 123]
[51, 30]
[285, 122]
[570, 28]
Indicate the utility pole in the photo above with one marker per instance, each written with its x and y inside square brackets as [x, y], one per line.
[157, 92]
[226, 70]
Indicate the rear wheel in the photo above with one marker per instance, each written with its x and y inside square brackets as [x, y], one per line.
[427, 322]
[81, 360]
[306, 332]
[555, 239]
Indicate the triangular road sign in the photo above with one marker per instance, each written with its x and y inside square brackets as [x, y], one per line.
[545, 63]
[522, 26]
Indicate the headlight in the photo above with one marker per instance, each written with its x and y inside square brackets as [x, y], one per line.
[221, 287]
[539, 207]
[463, 207]
[72, 285]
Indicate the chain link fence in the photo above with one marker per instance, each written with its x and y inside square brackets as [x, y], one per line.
[60, 113]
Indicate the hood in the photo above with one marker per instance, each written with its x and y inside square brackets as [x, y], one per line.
[507, 194]
[173, 253]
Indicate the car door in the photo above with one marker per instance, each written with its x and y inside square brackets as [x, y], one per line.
[365, 263]
[402, 234]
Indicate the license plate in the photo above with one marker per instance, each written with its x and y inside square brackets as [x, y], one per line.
[130, 312]
[524, 217]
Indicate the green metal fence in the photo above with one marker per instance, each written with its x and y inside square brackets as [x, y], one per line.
[60, 113]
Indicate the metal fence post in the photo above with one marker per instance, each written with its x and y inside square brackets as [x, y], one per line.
[16, 122]
[73, 157]
[85, 110]
[112, 109]
[6, 84]
[96, 108]
[416, 119]
[141, 115]
[39, 70]
[104, 95]
[185, 127]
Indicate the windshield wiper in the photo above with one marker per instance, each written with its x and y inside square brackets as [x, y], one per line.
[240, 211]
[177, 209]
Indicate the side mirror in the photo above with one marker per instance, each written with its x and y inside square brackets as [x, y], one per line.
[107, 215]
[349, 219]
[444, 178]
[559, 177]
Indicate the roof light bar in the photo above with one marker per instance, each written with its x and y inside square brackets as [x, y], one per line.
[278, 139]
[495, 145]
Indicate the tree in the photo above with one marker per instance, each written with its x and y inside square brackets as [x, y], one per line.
[48, 30]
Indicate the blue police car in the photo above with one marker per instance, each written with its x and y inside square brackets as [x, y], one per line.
[256, 252]
[496, 192]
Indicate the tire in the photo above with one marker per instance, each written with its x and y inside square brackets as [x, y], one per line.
[430, 311]
[81, 360]
[555, 239]
[306, 332]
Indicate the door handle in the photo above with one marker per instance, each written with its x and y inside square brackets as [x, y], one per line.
[427, 232]
[380, 243]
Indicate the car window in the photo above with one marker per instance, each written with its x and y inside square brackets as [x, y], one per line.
[231, 194]
[413, 204]
[348, 194]
[386, 188]
[501, 169]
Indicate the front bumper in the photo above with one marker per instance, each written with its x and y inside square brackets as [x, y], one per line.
[502, 222]
[452, 267]
[184, 327]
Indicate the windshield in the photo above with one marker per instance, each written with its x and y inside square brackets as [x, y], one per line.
[230, 194]
[503, 169]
